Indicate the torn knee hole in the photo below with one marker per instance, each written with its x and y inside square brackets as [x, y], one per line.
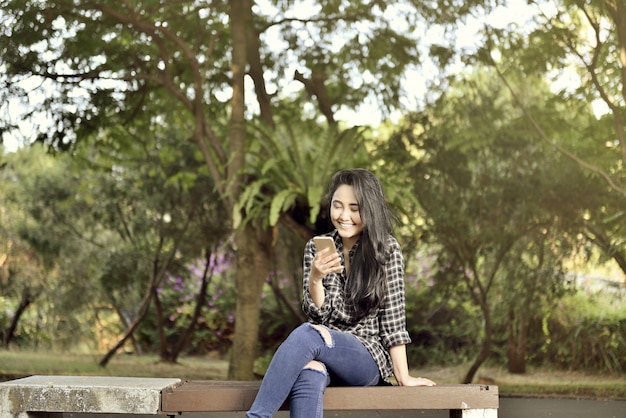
[324, 333]
[315, 365]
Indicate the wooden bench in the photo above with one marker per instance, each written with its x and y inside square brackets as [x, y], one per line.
[59, 396]
[463, 401]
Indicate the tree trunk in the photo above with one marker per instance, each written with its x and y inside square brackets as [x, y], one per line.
[143, 310]
[159, 270]
[200, 301]
[253, 265]
[485, 348]
[126, 324]
[252, 259]
[517, 342]
[25, 301]
[164, 352]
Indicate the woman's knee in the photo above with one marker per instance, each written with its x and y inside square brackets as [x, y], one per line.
[315, 365]
[303, 333]
[325, 333]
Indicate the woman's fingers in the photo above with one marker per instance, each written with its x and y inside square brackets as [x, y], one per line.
[328, 262]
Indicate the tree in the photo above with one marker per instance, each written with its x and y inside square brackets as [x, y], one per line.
[487, 191]
[584, 42]
[44, 260]
[158, 203]
[533, 283]
[105, 226]
[106, 60]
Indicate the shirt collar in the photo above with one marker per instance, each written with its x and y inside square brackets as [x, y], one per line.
[339, 242]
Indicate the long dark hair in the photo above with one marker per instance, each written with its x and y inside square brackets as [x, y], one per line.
[366, 284]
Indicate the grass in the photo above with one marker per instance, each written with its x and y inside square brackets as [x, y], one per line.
[539, 383]
[26, 363]
[534, 383]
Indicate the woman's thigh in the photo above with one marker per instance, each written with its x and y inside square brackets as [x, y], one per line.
[347, 360]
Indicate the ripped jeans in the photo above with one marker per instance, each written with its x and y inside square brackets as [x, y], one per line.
[307, 362]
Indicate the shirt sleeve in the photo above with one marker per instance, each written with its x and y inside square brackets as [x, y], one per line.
[392, 317]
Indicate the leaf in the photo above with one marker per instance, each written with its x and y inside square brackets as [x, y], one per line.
[314, 197]
[613, 217]
[237, 218]
[281, 201]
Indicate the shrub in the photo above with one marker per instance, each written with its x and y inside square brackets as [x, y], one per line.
[587, 333]
[442, 326]
[178, 298]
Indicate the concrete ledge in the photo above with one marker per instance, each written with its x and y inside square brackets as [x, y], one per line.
[86, 394]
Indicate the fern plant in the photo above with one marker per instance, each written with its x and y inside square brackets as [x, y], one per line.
[290, 166]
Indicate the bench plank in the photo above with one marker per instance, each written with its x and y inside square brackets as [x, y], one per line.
[216, 396]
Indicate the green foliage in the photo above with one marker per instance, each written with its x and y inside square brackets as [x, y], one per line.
[499, 205]
[178, 296]
[587, 332]
[467, 175]
[125, 52]
[124, 276]
[443, 328]
[289, 167]
[577, 46]
[119, 52]
[98, 228]
[47, 266]
[281, 309]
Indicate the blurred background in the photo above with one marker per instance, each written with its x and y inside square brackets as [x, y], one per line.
[164, 163]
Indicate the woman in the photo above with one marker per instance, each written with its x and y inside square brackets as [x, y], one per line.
[354, 299]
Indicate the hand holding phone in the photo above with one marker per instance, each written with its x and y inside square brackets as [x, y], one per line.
[329, 262]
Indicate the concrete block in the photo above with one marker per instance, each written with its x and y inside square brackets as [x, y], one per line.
[83, 394]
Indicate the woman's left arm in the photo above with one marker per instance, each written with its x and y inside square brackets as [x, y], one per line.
[393, 319]
[401, 368]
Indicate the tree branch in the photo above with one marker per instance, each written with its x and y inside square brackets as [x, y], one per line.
[316, 88]
[591, 167]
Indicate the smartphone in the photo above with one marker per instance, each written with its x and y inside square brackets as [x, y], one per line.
[324, 242]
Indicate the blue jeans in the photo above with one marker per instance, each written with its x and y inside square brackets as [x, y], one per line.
[346, 361]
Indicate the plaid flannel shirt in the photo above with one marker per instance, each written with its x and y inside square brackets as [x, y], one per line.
[380, 330]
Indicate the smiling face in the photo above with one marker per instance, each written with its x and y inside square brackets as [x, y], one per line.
[345, 215]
